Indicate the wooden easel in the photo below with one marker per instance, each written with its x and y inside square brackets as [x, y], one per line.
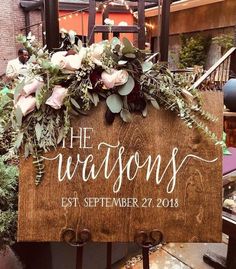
[116, 30]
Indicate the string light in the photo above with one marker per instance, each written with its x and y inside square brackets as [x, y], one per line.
[135, 15]
[149, 25]
[104, 6]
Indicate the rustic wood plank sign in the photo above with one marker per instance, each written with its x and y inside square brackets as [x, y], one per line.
[116, 180]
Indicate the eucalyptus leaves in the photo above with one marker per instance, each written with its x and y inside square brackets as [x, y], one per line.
[72, 81]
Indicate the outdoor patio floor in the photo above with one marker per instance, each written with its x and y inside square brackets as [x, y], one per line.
[178, 256]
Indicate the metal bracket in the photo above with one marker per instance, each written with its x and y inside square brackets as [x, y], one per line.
[146, 240]
[76, 239]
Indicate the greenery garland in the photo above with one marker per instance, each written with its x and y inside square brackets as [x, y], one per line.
[69, 82]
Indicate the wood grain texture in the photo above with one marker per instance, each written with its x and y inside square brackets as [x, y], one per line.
[198, 188]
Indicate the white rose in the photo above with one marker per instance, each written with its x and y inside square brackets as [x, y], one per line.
[96, 52]
[58, 58]
[83, 53]
[114, 78]
[70, 62]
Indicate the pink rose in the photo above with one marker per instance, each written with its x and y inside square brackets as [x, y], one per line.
[26, 104]
[57, 97]
[32, 87]
[114, 78]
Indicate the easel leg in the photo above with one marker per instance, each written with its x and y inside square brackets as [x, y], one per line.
[79, 257]
[78, 240]
[146, 240]
[231, 257]
[145, 251]
[109, 255]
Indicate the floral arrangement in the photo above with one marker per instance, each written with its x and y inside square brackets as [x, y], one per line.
[72, 80]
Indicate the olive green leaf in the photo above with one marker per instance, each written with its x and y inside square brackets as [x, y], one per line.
[19, 139]
[18, 89]
[144, 112]
[38, 131]
[74, 103]
[19, 116]
[130, 55]
[128, 46]
[95, 99]
[155, 104]
[61, 135]
[27, 151]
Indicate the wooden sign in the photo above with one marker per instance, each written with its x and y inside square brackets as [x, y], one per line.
[116, 180]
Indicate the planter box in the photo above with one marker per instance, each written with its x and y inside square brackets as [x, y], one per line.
[144, 175]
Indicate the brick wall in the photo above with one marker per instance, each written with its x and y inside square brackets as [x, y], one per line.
[12, 20]
[35, 18]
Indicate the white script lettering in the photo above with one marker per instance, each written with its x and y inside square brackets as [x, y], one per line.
[88, 170]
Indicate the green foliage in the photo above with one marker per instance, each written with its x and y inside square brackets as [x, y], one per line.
[194, 50]
[137, 82]
[179, 98]
[6, 135]
[225, 41]
[8, 203]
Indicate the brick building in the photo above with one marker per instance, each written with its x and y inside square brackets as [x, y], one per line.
[12, 23]
[15, 15]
